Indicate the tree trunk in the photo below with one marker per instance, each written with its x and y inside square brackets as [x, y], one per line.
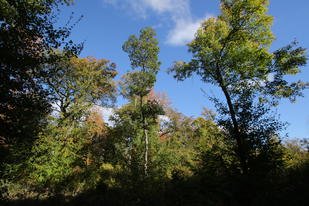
[146, 152]
[145, 138]
[237, 133]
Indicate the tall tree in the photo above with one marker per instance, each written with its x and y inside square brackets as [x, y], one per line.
[28, 39]
[143, 53]
[64, 149]
[231, 51]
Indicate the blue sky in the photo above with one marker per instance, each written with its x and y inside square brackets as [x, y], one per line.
[108, 23]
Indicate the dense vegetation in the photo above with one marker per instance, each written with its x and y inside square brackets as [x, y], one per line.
[56, 149]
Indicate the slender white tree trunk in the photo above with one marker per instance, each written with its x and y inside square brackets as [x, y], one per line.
[146, 152]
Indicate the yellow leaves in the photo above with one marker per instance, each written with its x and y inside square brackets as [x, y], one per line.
[91, 65]
[96, 124]
[250, 20]
[109, 173]
[80, 82]
[211, 33]
[107, 167]
[237, 41]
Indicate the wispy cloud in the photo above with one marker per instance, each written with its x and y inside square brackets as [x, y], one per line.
[141, 7]
[184, 31]
[178, 11]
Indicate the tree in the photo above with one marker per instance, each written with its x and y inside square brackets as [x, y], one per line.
[232, 52]
[78, 84]
[62, 154]
[143, 53]
[28, 39]
[66, 159]
[296, 152]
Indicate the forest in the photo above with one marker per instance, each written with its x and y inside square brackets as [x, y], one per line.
[57, 149]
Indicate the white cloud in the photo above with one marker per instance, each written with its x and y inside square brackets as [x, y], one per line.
[178, 11]
[184, 31]
[141, 7]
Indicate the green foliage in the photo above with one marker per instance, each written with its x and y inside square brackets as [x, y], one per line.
[137, 83]
[296, 153]
[232, 52]
[65, 157]
[286, 61]
[28, 38]
[128, 140]
[78, 83]
[55, 157]
[143, 53]
[65, 149]
[214, 149]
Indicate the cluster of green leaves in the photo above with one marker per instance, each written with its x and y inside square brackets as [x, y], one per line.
[77, 83]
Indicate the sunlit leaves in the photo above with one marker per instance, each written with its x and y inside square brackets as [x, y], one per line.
[143, 51]
[78, 83]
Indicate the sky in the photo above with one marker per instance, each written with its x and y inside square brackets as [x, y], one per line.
[107, 24]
